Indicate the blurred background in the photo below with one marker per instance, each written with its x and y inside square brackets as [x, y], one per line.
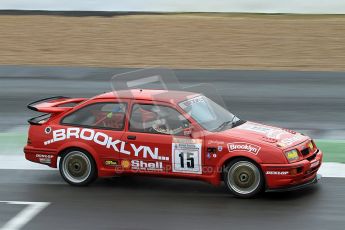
[276, 62]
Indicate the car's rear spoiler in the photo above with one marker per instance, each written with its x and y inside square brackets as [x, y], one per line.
[53, 104]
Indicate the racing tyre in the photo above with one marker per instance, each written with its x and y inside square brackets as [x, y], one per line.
[78, 168]
[244, 178]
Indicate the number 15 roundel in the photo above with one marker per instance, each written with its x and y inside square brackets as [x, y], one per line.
[186, 155]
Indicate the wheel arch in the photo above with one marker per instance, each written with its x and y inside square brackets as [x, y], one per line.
[252, 158]
[237, 190]
[93, 169]
[78, 146]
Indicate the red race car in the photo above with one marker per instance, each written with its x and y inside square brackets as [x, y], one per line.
[169, 134]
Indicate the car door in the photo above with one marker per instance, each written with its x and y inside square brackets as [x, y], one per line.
[98, 125]
[156, 138]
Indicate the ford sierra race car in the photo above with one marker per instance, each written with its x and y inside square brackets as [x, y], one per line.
[167, 133]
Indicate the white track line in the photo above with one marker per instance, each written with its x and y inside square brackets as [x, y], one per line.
[328, 169]
[332, 169]
[19, 162]
[24, 216]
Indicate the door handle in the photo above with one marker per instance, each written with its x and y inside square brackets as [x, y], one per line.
[131, 137]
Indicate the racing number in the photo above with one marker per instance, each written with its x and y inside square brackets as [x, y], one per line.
[188, 157]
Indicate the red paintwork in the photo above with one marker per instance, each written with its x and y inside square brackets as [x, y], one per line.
[270, 157]
[54, 106]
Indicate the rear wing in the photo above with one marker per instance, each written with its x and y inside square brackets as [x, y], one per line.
[51, 105]
[54, 104]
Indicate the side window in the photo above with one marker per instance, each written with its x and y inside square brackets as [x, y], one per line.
[99, 115]
[157, 119]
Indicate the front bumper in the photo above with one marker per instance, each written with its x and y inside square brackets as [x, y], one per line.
[285, 177]
[297, 187]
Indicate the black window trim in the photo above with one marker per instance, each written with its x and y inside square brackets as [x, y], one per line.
[96, 127]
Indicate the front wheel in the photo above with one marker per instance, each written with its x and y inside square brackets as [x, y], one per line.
[78, 168]
[243, 178]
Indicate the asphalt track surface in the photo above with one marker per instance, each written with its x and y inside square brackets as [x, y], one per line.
[312, 102]
[155, 203]
[308, 101]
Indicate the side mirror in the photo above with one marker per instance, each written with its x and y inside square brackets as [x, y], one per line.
[187, 132]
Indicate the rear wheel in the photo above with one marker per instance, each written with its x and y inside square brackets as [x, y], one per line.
[77, 167]
[243, 178]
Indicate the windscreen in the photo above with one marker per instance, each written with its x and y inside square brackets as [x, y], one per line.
[207, 113]
[200, 102]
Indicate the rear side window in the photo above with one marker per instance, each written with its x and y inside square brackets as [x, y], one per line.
[104, 115]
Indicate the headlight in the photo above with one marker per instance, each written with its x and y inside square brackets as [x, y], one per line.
[292, 155]
[311, 146]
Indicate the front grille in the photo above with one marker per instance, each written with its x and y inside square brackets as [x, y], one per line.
[312, 157]
[305, 151]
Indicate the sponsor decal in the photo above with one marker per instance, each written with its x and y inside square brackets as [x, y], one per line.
[214, 142]
[125, 164]
[186, 155]
[208, 155]
[147, 166]
[270, 132]
[44, 159]
[277, 172]
[212, 151]
[255, 128]
[111, 163]
[290, 140]
[195, 100]
[220, 148]
[243, 146]
[106, 141]
[275, 134]
[187, 132]
[44, 156]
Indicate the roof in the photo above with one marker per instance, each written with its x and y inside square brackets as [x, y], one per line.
[169, 96]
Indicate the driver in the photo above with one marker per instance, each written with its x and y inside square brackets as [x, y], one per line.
[161, 126]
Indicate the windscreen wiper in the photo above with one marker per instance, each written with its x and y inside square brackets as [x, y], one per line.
[238, 123]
